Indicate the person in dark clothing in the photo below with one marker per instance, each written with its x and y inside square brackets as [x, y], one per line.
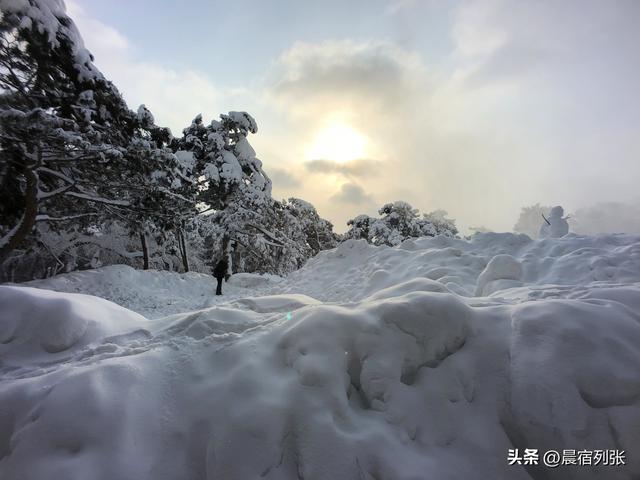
[220, 272]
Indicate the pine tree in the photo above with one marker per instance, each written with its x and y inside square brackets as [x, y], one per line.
[80, 172]
[359, 228]
[226, 176]
[159, 201]
[398, 222]
[63, 126]
[316, 232]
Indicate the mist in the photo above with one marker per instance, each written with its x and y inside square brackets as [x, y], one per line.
[497, 105]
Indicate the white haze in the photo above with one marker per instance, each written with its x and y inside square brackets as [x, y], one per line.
[528, 102]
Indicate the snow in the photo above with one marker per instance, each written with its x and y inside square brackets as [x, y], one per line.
[502, 271]
[93, 198]
[185, 159]
[249, 280]
[556, 225]
[426, 360]
[45, 16]
[38, 324]
[243, 119]
[244, 151]
[153, 293]
[230, 170]
[144, 116]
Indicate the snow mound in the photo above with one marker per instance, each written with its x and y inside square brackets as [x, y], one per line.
[327, 388]
[356, 270]
[387, 388]
[415, 285]
[277, 303]
[200, 324]
[35, 323]
[502, 271]
[574, 379]
[369, 362]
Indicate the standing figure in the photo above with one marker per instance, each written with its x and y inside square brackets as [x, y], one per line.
[220, 272]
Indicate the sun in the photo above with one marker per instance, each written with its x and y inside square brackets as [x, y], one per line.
[337, 142]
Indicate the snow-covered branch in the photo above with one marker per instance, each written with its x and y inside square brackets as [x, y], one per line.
[47, 218]
[55, 173]
[52, 193]
[122, 203]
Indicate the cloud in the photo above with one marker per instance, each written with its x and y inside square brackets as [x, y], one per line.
[354, 194]
[559, 79]
[343, 74]
[606, 217]
[283, 179]
[579, 45]
[536, 103]
[174, 97]
[397, 6]
[361, 167]
[374, 87]
[532, 102]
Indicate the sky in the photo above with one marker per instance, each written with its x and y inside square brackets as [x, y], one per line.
[475, 107]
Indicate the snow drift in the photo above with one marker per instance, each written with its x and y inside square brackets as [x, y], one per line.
[368, 363]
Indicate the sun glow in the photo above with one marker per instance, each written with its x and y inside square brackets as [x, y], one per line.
[337, 142]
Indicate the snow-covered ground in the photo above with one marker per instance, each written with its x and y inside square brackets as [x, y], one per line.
[427, 360]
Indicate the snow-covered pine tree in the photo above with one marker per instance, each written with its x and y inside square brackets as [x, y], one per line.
[530, 219]
[77, 162]
[63, 126]
[240, 218]
[399, 221]
[227, 176]
[359, 228]
[437, 223]
[160, 193]
[317, 232]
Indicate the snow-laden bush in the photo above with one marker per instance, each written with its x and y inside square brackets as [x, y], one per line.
[398, 222]
[530, 219]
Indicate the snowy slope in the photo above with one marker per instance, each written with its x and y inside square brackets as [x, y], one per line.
[428, 360]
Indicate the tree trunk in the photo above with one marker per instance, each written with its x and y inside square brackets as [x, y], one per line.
[145, 251]
[227, 251]
[179, 238]
[24, 227]
[183, 250]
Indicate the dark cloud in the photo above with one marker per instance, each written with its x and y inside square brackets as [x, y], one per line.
[352, 193]
[282, 178]
[361, 167]
[345, 72]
